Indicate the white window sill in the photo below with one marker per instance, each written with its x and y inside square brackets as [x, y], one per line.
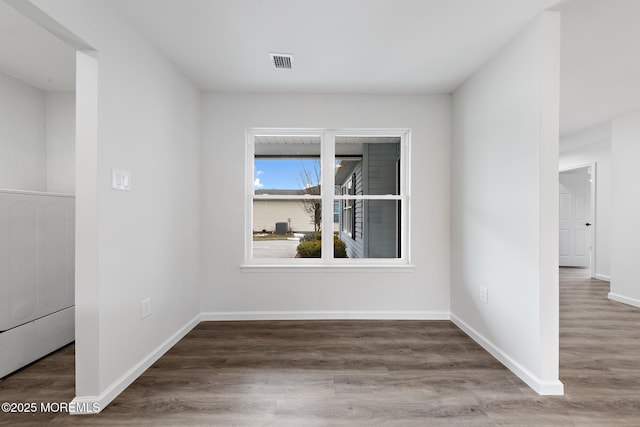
[316, 268]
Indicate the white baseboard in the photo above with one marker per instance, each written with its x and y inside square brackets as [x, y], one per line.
[602, 277]
[625, 300]
[548, 388]
[95, 404]
[325, 315]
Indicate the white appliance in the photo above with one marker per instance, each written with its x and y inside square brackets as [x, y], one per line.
[37, 234]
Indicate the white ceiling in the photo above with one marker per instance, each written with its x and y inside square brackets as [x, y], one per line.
[31, 54]
[600, 62]
[339, 46]
[359, 46]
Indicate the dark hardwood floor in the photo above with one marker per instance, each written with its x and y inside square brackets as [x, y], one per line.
[303, 373]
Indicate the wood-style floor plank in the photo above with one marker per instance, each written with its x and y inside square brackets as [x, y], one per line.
[318, 373]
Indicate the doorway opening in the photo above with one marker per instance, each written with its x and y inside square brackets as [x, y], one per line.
[70, 156]
[37, 190]
[577, 218]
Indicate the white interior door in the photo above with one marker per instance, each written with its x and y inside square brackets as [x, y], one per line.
[575, 218]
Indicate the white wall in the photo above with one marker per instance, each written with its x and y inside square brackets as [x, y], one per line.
[139, 244]
[585, 148]
[22, 136]
[61, 141]
[231, 293]
[591, 135]
[625, 236]
[37, 138]
[505, 205]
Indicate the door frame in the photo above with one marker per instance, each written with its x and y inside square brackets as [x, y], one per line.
[592, 210]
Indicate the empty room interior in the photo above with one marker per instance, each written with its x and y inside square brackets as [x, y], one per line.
[281, 212]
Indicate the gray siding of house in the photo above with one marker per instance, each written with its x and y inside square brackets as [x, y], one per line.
[376, 220]
[381, 215]
[355, 246]
[382, 241]
[381, 163]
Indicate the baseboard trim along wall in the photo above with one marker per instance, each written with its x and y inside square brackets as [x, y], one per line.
[603, 277]
[325, 315]
[548, 388]
[625, 300]
[95, 404]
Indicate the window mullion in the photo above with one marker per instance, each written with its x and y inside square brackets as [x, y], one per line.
[328, 172]
[249, 194]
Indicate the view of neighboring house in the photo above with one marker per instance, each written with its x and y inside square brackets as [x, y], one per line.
[267, 213]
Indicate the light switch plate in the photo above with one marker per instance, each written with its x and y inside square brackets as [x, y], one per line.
[120, 180]
[145, 308]
[484, 295]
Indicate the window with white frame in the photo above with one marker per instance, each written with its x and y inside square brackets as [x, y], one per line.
[348, 208]
[288, 174]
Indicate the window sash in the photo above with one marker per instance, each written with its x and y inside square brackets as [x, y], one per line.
[328, 198]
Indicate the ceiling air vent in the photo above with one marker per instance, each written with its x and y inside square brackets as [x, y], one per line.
[282, 60]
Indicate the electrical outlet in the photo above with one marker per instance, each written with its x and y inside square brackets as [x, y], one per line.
[484, 294]
[145, 308]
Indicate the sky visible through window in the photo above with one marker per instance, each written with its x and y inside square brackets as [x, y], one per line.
[283, 174]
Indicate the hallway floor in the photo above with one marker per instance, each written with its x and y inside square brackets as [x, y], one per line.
[364, 373]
